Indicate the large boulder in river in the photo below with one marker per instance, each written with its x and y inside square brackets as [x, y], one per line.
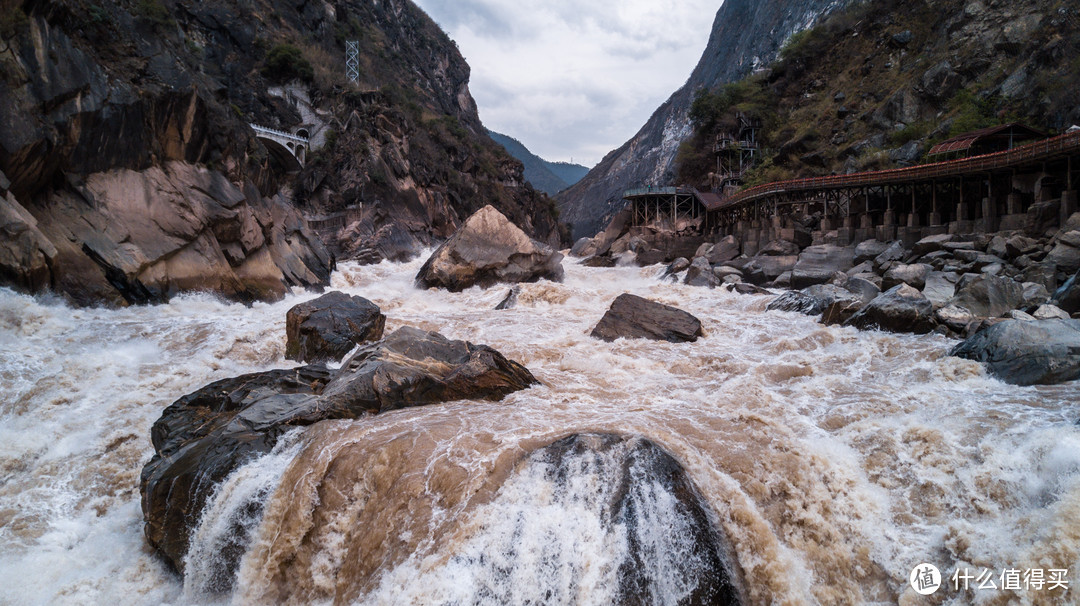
[203, 437]
[899, 309]
[634, 317]
[1041, 352]
[818, 264]
[327, 328]
[486, 250]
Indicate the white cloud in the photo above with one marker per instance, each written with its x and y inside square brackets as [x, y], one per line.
[571, 79]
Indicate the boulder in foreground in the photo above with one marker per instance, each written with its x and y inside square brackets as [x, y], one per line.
[327, 328]
[203, 437]
[486, 250]
[1042, 352]
[633, 317]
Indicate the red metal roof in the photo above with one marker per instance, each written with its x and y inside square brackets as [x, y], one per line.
[964, 141]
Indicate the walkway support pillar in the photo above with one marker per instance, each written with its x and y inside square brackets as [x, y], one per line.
[1068, 206]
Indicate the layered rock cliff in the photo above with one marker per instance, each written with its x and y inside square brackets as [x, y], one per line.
[129, 171]
[746, 34]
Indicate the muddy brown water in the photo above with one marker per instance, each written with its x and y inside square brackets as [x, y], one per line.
[831, 461]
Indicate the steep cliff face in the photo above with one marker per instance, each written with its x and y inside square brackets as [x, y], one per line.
[746, 34]
[128, 171]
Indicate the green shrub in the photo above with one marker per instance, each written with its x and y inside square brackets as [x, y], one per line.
[285, 62]
[155, 11]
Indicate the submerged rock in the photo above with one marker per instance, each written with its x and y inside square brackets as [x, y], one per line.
[486, 250]
[327, 328]
[204, 436]
[1039, 352]
[631, 316]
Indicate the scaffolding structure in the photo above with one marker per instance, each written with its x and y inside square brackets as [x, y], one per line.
[352, 61]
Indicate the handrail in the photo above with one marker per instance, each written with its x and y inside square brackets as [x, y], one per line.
[1040, 150]
[270, 131]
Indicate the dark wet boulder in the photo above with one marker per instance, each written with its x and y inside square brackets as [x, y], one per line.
[700, 273]
[413, 367]
[1040, 352]
[611, 469]
[676, 266]
[899, 309]
[813, 300]
[486, 250]
[510, 300]
[633, 317]
[989, 296]
[203, 437]
[329, 327]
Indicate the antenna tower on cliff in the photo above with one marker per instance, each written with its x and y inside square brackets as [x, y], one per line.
[352, 60]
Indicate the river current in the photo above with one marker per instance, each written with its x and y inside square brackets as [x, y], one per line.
[832, 461]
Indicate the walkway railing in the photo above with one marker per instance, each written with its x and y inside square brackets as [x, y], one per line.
[277, 133]
[1033, 152]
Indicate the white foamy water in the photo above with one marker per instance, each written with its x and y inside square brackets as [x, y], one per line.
[832, 460]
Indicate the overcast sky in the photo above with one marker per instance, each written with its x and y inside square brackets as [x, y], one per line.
[573, 79]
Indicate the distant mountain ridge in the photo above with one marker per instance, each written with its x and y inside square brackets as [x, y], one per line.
[548, 177]
[746, 34]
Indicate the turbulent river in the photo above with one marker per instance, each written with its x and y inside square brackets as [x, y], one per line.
[831, 461]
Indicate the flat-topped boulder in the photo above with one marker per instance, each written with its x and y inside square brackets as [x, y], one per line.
[1039, 352]
[329, 327]
[818, 264]
[634, 317]
[489, 249]
[203, 437]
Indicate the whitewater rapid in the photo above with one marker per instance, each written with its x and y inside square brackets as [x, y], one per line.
[832, 461]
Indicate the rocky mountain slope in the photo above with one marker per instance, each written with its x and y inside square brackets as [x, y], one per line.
[129, 171]
[877, 85]
[548, 177]
[746, 34]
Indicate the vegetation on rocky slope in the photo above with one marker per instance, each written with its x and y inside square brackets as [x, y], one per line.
[877, 85]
